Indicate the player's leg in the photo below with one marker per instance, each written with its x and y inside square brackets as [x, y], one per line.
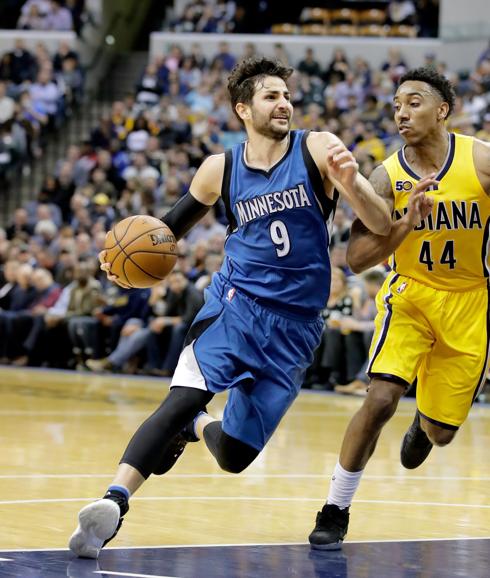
[264, 375]
[154, 448]
[358, 445]
[438, 435]
[420, 438]
[400, 327]
[452, 376]
[231, 454]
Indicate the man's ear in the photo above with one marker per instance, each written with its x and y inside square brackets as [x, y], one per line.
[243, 111]
[443, 111]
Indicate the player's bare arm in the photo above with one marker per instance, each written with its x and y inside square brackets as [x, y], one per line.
[365, 248]
[205, 187]
[339, 168]
[204, 191]
[481, 155]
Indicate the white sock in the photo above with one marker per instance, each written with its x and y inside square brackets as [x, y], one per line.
[343, 486]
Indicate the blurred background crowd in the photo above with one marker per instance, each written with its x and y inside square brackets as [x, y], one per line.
[46, 15]
[56, 308]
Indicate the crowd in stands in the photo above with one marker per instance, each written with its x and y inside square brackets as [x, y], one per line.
[239, 16]
[53, 15]
[37, 91]
[56, 306]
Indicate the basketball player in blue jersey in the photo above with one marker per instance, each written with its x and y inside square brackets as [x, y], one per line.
[260, 325]
[433, 310]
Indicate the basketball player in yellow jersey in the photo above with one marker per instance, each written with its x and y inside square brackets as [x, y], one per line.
[433, 310]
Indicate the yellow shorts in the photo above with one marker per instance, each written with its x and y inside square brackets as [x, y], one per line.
[438, 337]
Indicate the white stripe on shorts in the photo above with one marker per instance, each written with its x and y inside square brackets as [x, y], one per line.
[188, 373]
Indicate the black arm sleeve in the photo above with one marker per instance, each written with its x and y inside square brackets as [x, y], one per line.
[186, 212]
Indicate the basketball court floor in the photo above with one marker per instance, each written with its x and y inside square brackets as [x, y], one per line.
[61, 437]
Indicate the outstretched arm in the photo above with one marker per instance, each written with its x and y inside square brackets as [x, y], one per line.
[339, 169]
[204, 191]
[369, 207]
[366, 249]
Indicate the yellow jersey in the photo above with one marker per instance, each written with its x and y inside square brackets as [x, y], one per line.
[449, 249]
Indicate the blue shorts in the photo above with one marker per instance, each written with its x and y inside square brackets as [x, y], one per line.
[258, 354]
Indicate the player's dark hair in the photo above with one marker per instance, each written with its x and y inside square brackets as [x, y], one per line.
[437, 81]
[245, 75]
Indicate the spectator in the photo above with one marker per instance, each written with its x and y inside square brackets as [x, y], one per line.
[20, 227]
[224, 60]
[57, 326]
[59, 17]
[395, 66]
[22, 330]
[330, 364]
[64, 52]
[22, 65]
[205, 229]
[363, 321]
[9, 274]
[484, 132]
[22, 296]
[149, 89]
[34, 19]
[402, 12]
[309, 65]
[47, 96]
[169, 328]
[7, 105]
[341, 227]
[339, 66]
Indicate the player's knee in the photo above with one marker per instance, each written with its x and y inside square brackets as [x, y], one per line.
[232, 465]
[441, 437]
[235, 456]
[381, 403]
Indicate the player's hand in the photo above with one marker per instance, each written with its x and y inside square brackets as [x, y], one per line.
[342, 165]
[419, 204]
[106, 267]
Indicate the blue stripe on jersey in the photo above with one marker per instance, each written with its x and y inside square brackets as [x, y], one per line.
[277, 247]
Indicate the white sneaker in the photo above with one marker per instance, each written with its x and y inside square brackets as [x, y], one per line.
[97, 523]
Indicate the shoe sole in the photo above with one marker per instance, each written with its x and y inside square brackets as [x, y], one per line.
[97, 522]
[332, 546]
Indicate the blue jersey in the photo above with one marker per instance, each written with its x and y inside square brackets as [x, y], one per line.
[278, 237]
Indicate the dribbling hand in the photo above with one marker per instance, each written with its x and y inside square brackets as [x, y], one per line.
[106, 267]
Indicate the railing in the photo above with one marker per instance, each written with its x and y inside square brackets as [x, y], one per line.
[25, 180]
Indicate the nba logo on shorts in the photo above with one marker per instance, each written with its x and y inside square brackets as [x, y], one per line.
[402, 287]
[230, 294]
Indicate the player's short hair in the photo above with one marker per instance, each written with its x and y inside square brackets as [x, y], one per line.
[245, 75]
[437, 81]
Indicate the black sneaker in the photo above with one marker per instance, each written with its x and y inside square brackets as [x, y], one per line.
[416, 445]
[176, 448]
[98, 523]
[331, 527]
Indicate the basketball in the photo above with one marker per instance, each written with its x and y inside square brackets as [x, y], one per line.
[142, 251]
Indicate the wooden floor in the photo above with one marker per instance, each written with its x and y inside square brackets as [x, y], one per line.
[62, 434]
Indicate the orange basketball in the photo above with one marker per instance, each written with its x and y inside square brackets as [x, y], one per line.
[142, 250]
